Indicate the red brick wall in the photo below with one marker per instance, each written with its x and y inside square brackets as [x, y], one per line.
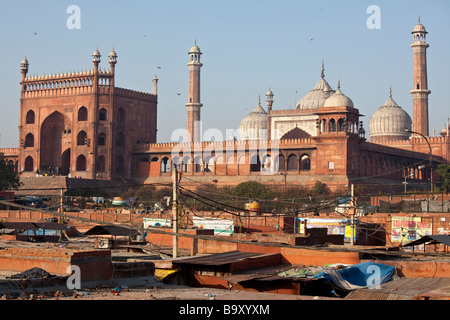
[94, 265]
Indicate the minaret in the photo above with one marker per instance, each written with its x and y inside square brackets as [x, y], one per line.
[194, 105]
[269, 103]
[24, 70]
[155, 86]
[112, 62]
[420, 90]
[96, 57]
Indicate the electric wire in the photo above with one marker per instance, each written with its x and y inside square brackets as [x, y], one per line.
[228, 239]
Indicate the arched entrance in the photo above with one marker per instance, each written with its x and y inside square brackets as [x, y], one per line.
[65, 163]
[52, 131]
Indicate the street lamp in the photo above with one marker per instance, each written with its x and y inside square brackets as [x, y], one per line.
[431, 156]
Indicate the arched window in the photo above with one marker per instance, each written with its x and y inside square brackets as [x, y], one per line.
[82, 138]
[101, 164]
[187, 164]
[29, 164]
[255, 163]
[323, 125]
[30, 117]
[281, 163]
[101, 139]
[102, 116]
[29, 141]
[305, 163]
[332, 125]
[165, 165]
[198, 164]
[208, 164]
[341, 125]
[81, 163]
[82, 114]
[292, 164]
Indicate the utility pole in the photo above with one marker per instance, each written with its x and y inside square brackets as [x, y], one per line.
[61, 212]
[175, 211]
[353, 209]
[61, 207]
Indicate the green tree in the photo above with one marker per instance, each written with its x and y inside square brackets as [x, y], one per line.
[9, 178]
[320, 189]
[252, 189]
[145, 195]
[444, 172]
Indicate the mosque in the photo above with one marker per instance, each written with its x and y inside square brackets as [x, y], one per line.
[83, 125]
[322, 139]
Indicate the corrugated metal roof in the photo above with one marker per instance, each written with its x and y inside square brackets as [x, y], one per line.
[218, 259]
[18, 225]
[431, 239]
[32, 225]
[110, 230]
[50, 225]
[404, 289]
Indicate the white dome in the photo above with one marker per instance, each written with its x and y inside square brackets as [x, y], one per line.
[390, 121]
[419, 28]
[254, 126]
[338, 100]
[113, 54]
[316, 97]
[195, 49]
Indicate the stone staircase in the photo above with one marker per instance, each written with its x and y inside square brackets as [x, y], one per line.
[41, 186]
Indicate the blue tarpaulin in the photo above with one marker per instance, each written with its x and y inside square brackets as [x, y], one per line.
[362, 275]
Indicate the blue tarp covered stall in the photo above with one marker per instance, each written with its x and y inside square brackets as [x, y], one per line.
[358, 276]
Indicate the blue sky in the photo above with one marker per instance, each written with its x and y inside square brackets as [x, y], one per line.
[248, 46]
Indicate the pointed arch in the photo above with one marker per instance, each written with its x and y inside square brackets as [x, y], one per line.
[30, 117]
[29, 140]
[82, 138]
[82, 114]
[305, 163]
[81, 163]
[29, 164]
